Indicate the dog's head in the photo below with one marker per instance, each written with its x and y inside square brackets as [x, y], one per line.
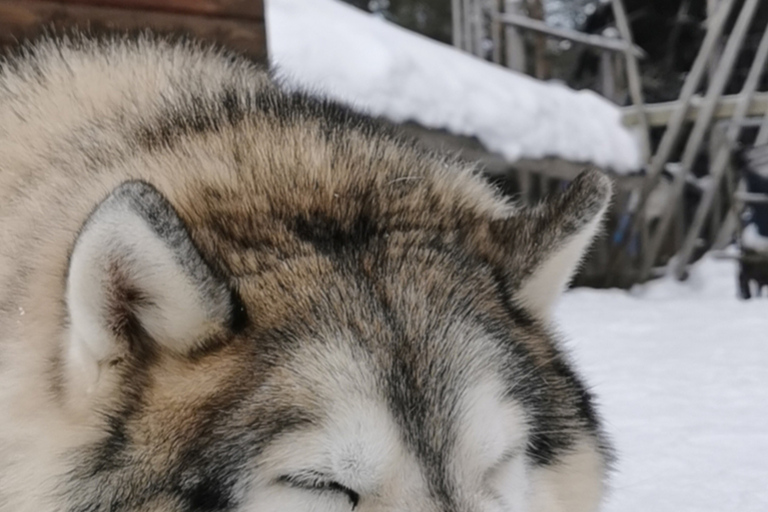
[328, 340]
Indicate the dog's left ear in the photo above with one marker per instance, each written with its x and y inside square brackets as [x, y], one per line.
[138, 284]
[545, 244]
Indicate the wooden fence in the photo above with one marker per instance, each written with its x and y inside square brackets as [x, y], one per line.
[672, 216]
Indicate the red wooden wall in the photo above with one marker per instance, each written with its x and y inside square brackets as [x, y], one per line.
[238, 24]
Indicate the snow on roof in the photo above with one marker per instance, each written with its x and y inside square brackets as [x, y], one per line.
[376, 66]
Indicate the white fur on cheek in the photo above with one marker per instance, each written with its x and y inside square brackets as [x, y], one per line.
[490, 427]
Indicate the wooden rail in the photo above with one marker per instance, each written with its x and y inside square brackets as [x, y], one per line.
[659, 114]
[605, 43]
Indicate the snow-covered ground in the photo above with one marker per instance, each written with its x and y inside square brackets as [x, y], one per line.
[376, 66]
[681, 372]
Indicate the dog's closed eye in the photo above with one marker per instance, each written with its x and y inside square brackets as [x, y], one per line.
[319, 482]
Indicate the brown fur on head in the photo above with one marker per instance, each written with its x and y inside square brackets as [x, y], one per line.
[236, 298]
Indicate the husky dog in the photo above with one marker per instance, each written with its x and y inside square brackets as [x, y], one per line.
[218, 296]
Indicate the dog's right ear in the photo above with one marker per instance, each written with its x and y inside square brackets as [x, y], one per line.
[543, 245]
[137, 284]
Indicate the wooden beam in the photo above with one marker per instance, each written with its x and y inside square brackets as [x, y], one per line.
[472, 150]
[605, 43]
[240, 9]
[21, 19]
[659, 114]
[753, 197]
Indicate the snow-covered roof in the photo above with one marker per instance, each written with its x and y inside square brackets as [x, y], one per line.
[359, 59]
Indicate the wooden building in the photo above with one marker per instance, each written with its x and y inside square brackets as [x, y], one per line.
[238, 24]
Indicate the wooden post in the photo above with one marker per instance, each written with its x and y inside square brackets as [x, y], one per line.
[620, 81]
[674, 126]
[729, 225]
[678, 223]
[496, 32]
[514, 42]
[762, 134]
[524, 182]
[468, 31]
[712, 6]
[479, 28]
[607, 76]
[633, 77]
[715, 214]
[456, 20]
[536, 12]
[544, 183]
[724, 69]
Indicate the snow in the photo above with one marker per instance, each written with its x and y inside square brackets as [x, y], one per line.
[681, 372]
[362, 60]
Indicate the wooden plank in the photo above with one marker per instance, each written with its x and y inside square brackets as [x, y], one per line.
[469, 27]
[515, 44]
[21, 19]
[659, 114]
[606, 43]
[240, 9]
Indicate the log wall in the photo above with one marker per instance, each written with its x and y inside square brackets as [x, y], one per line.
[236, 24]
